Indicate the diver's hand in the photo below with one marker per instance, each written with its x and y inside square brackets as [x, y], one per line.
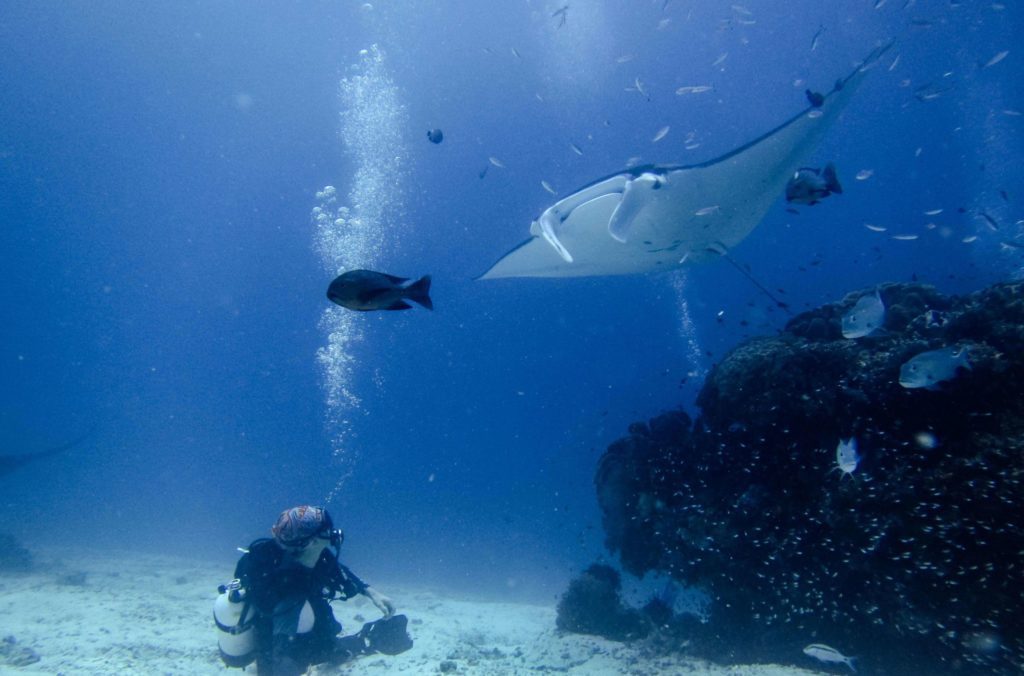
[383, 603]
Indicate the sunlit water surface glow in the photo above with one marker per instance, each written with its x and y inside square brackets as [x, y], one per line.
[351, 236]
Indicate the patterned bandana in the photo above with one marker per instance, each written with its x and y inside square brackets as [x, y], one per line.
[298, 525]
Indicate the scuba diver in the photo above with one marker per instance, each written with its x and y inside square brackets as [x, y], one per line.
[277, 610]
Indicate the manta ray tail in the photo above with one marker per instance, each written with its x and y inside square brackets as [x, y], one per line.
[721, 251]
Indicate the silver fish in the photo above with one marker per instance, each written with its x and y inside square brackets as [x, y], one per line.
[694, 89]
[847, 457]
[930, 368]
[828, 654]
[997, 58]
[866, 317]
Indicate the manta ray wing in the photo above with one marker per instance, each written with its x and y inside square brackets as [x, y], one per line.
[658, 217]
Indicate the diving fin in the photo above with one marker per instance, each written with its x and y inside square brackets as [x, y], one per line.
[387, 636]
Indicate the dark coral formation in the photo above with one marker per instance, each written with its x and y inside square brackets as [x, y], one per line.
[593, 605]
[914, 561]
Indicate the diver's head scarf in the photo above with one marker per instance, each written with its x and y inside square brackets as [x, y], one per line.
[296, 527]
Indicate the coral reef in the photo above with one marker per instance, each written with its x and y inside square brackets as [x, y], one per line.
[592, 605]
[908, 553]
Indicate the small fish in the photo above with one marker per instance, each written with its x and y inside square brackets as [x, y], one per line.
[625, 58]
[933, 212]
[720, 60]
[820, 651]
[817, 36]
[930, 92]
[969, 239]
[706, 211]
[930, 368]
[366, 290]
[864, 174]
[547, 186]
[640, 88]
[694, 89]
[997, 58]
[496, 162]
[660, 135]
[865, 318]
[515, 53]
[576, 149]
[875, 228]
[809, 185]
[1010, 244]
[892, 66]
[847, 457]
[989, 221]
[905, 238]
[878, 5]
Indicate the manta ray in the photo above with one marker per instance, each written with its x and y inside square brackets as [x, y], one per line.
[660, 217]
[11, 462]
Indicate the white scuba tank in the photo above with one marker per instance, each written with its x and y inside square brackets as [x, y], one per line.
[234, 633]
[306, 619]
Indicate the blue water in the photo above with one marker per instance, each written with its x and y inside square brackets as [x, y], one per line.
[164, 281]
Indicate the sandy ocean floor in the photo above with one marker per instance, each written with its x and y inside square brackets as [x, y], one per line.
[101, 614]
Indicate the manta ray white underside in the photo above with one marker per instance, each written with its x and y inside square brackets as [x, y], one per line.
[660, 217]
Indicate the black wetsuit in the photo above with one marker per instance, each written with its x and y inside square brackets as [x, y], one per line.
[278, 589]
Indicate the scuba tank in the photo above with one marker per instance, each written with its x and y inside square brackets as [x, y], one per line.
[233, 616]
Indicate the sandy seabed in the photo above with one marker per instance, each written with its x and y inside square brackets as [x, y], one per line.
[98, 613]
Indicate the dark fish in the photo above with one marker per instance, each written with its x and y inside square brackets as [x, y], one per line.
[816, 99]
[435, 135]
[810, 186]
[365, 290]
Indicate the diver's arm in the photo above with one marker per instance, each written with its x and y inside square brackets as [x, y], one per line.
[352, 585]
[383, 603]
